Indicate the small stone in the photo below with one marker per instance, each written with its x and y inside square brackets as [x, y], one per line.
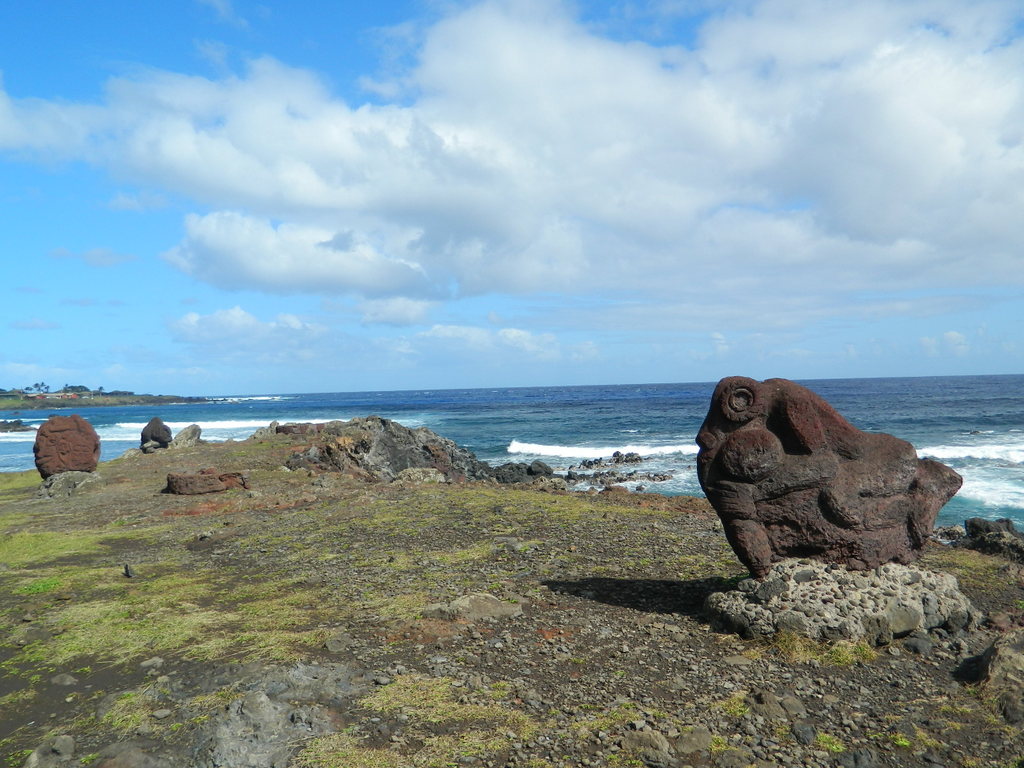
[64, 679]
[162, 714]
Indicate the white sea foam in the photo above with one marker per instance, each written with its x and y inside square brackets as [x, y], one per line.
[588, 452]
[993, 491]
[1012, 452]
[205, 425]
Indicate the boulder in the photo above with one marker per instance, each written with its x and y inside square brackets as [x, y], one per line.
[829, 602]
[66, 444]
[204, 481]
[377, 449]
[155, 435]
[790, 477]
[187, 437]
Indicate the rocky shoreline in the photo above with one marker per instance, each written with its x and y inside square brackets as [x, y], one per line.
[324, 617]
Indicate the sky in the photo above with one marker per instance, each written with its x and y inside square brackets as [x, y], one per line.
[235, 197]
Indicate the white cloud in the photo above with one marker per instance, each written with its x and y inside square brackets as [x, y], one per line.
[542, 346]
[233, 334]
[956, 343]
[397, 311]
[799, 157]
[34, 324]
[94, 257]
[235, 251]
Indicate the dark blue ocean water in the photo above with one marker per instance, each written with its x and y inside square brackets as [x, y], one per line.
[973, 423]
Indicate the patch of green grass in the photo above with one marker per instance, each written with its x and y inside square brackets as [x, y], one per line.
[796, 648]
[23, 549]
[16, 481]
[39, 586]
[830, 743]
[444, 728]
[734, 706]
[127, 714]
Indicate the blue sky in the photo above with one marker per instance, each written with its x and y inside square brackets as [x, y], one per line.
[229, 197]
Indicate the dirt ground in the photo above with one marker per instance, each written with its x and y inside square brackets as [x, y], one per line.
[316, 620]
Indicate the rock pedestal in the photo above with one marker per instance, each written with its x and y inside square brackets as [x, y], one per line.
[66, 444]
[830, 602]
[790, 477]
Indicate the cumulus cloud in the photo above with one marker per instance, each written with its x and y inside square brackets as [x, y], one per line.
[540, 346]
[235, 251]
[810, 153]
[235, 333]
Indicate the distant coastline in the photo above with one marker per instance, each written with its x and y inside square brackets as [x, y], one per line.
[37, 402]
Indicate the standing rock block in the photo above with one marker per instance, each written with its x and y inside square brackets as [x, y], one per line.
[66, 444]
[790, 477]
[155, 435]
[188, 437]
[1003, 674]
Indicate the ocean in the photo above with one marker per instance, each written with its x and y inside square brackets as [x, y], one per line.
[975, 424]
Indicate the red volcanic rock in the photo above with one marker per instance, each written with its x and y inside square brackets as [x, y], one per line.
[204, 481]
[66, 444]
[790, 477]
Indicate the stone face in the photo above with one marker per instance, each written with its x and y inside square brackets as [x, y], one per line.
[155, 435]
[790, 477]
[66, 444]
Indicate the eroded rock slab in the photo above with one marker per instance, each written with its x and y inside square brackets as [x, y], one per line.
[790, 477]
[205, 481]
[66, 444]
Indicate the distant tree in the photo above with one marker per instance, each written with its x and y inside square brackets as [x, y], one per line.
[75, 388]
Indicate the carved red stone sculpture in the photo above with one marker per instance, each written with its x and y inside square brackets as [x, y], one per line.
[66, 444]
[790, 477]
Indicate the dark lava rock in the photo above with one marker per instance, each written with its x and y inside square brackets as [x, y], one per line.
[16, 425]
[204, 481]
[155, 435]
[378, 449]
[994, 537]
[66, 444]
[790, 477]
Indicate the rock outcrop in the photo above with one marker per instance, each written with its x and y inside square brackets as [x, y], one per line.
[155, 435]
[66, 444]
[994, 537]
[379, 449]
[790, 477]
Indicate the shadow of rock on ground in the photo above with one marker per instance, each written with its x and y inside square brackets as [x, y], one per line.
[647, 595]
